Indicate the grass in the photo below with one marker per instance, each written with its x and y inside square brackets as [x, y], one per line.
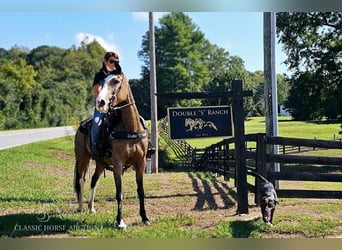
[309, 226]
[286, 127]
[36, 198]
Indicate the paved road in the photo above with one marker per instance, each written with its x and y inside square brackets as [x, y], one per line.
[12, 138]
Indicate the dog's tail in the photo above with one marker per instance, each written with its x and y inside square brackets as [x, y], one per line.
[255, 174]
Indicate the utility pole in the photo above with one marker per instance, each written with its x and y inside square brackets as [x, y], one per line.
[153, 97]
[271, 99]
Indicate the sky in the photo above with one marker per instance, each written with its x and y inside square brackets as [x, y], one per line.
[240, 33]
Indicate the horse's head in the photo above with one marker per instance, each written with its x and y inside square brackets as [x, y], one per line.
[110, 93]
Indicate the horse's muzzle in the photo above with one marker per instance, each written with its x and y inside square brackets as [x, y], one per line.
[101, 106]
[102, 103]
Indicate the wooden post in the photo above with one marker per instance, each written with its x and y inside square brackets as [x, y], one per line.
[260, 165]
[226, 161]
[240, 147]
[153, 91]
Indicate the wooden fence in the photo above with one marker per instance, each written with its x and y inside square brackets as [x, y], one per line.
[220, 158]
[181, 148]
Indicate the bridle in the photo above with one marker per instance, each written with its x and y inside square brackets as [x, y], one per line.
[113, 96]
[112, 110]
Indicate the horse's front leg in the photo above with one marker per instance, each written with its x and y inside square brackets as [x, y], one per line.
[98, 171]
[81, 168]
[141, 194]
[118, 171]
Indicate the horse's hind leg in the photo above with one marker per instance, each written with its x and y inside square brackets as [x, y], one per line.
[79, 180]
[98, 171]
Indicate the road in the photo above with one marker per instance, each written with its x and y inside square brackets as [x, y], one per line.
[13, 138]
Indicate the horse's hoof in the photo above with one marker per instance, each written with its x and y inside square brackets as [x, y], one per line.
[79, 210]
[147, 223]
[92, 211]
[121, 225]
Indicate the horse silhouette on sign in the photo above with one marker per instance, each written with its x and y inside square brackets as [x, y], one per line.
[198, 124]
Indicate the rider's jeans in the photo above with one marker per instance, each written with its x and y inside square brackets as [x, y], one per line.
[98, 118]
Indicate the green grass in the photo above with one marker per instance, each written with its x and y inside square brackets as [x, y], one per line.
[37, 179]
[287, 128]
[309, 226]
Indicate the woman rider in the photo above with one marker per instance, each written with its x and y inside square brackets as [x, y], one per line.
[110, 65]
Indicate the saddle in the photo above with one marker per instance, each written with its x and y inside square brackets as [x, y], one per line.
[107, 134]
[104, 145]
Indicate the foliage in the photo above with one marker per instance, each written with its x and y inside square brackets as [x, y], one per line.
[312, 42]
[51, 86]
[17, 100]
[187, 62]
[47, 86]
[287, 128]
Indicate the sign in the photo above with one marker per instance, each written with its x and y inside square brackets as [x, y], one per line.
[198, 122]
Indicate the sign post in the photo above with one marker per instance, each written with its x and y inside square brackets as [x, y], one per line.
[237, 95]
[240, 147]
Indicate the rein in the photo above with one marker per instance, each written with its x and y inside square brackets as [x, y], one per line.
[113, 108]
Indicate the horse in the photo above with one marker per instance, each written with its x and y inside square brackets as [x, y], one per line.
[128, 142]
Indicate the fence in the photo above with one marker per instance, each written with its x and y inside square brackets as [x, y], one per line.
[181, 148]
[220, 158]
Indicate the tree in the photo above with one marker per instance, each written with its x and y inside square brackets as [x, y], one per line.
[181, 58]
[47, 86]
[187, 62]
[141, 91]
[313, 44]
[306, 106]
[16, 102]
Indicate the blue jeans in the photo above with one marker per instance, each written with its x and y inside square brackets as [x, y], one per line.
[98, 118]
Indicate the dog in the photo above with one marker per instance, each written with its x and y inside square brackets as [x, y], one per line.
[269, 198]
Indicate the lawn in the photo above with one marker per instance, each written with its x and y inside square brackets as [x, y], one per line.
[286, 127]
[37, 200]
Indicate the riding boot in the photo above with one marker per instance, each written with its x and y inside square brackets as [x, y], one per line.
[150, 149]
[96, 151]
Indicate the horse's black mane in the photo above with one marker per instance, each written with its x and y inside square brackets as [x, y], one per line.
[112, 119]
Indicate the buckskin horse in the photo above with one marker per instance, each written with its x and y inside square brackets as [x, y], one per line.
[128, 142]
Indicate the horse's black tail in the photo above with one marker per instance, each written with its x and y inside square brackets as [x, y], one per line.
[77, 186]
[255, 174]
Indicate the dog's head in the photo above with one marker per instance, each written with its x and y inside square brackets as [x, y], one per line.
[268, 204]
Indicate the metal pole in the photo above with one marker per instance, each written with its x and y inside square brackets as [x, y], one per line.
[153, 97]
[271, 99]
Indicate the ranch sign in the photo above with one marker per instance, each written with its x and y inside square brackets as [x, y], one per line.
[198, 122]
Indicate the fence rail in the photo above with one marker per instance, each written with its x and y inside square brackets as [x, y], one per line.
[181, 148]
[220, 158]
